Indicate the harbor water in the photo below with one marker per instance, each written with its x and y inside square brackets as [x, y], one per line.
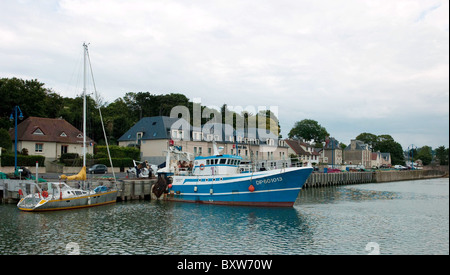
[407, 217]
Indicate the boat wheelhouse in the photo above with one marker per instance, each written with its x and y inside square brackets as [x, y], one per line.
[216, 165]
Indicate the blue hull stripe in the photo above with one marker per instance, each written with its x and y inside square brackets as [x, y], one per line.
[240, 193]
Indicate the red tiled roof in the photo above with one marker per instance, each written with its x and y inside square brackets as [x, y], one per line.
[295, 145]
[52, 131]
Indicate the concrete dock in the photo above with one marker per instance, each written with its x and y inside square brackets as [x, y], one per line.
[133, 189]
[346, 178]
[140, 189]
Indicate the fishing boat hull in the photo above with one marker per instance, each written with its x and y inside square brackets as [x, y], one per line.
[53, 204]
[278, 188]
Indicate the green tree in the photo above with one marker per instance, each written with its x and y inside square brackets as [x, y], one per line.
[5, 140]
[73, 113]
[53, 104]
[442, 155]
[28, 94]
[386, 144]
[145, 104]
[368, 138]
[424, 154]
[308, 129]
[116, 117]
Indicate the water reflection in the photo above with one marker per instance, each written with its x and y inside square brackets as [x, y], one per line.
[335, 194]
[332, 220]
[160, 228]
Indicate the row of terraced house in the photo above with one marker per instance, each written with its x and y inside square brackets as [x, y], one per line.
[153, 135]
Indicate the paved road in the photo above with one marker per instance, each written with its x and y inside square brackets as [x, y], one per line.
[55, 176]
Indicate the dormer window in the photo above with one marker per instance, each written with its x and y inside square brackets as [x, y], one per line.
[80, 135]
[197, 136]
[63, 134]
[139, 135]
[38, 132]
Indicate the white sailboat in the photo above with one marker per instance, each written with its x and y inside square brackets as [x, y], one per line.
[59, 195]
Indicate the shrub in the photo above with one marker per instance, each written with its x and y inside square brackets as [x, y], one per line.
[8, 160]
[117, 162]
[117, 152]
[71, 156]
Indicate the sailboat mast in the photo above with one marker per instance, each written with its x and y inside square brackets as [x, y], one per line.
[84, 105]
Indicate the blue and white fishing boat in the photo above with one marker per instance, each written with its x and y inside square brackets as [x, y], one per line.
[219, 179]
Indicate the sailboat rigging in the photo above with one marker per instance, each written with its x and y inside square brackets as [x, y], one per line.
[59, 195]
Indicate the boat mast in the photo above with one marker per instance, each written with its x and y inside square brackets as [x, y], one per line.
[84, 105]
[97, 98]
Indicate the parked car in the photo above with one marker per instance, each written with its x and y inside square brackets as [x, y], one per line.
[98, 169]
[400, 167]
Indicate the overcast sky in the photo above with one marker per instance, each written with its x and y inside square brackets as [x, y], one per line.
[354, 66]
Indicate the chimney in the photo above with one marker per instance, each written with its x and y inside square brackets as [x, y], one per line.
[353, 144]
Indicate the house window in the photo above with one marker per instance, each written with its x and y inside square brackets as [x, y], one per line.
[38, 148]
[63, 134]
[177, 134]
[64, 149]
[197, 135]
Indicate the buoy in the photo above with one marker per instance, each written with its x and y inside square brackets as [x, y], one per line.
[170, 185]
[251, 188]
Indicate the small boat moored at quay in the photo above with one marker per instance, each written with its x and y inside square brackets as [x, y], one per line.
[59, 195]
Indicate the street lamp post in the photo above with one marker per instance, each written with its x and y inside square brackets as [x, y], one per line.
[14, 116]
[411, 152]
